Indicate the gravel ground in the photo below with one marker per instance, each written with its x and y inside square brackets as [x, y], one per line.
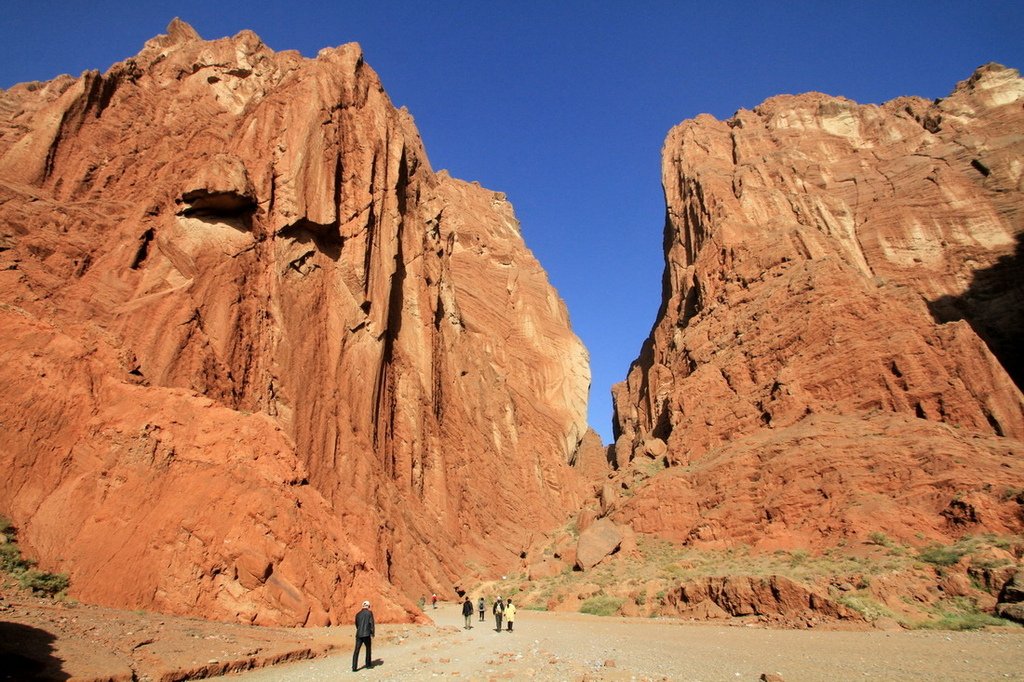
[571, 646]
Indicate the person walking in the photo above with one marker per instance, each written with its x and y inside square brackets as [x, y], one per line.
[480, 608]
[364, 635]
[467, 613]
[499, 612]
[433, 600]
[510, 613]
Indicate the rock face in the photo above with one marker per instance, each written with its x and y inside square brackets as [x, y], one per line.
[596, 542]
[768, 596]
[1011, 598]
[259, 361]
[817, 369]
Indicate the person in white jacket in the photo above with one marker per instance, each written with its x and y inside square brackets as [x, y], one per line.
[510, 613]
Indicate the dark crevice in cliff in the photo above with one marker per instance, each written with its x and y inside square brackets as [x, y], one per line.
[384, 392]
[385, 408]
[339, 169]
[402, 183]
[663, 423]
[326, 238]
[667, 239]
[97, 92]
[993, 305]
[142, 252]
[229, 205]
[371, 225]
[443, 274]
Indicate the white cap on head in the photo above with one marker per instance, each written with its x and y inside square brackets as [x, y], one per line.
[366, 604]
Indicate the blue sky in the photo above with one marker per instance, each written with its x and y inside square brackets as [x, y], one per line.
[564, 105]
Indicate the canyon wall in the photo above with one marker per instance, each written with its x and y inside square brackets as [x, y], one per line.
[260, 362]
[837, 350]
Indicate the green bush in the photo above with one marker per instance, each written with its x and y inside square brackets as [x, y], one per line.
[11, 561]
[1015, 494]
[10, 558]
[964, 621]
[879, 538]
[601, 605]
[673, 569]
[940, 555]
[961, 613]
[50, 584]
[866, 606]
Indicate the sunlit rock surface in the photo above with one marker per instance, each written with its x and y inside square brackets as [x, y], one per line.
[840, 328]
[259, 361]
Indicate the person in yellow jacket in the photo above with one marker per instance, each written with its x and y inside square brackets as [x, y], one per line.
[510, 614]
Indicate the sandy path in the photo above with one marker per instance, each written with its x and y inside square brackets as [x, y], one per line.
[569, 646]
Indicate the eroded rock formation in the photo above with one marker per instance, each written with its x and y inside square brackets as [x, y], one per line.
[816, 372]
[771, 597]
[260, 361]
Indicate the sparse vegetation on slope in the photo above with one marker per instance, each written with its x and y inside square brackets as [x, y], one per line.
[23, 570]
[950, 587]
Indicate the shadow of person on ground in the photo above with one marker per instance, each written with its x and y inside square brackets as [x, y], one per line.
[374, 663]
[26, 653]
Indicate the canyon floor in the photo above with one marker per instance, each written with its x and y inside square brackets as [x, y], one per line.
[572, 646]
[47, 640]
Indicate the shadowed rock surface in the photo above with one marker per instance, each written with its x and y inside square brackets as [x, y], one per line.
[259, 361]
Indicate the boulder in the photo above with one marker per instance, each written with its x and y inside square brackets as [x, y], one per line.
[598, 541]
[1013, 590]
[1014, 612]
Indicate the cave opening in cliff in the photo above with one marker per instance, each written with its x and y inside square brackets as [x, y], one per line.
[326, 238]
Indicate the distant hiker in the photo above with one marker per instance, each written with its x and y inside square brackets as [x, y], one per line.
[499, 612]
[467, 612]
[433, 600]
[364, 635]
[510, 613]
[480, 608]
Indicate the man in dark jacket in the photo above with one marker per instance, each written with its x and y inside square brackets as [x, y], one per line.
[499, 612]
[467, 613]
[364, 635]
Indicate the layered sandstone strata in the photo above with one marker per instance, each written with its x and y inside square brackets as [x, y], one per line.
[817, 368]
[259, 360]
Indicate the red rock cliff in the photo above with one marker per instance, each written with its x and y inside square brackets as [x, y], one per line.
[259, 361]
[813, 372]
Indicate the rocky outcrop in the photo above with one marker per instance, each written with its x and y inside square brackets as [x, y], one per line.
[1011, 598]
[769, 597]
[259, 360]
[596, 542]
[818, 369]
